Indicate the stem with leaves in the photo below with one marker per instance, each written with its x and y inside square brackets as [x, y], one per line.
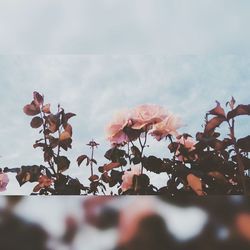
[241, 167]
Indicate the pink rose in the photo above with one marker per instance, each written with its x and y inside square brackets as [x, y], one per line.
[146, 115]
[115, 130]
[4, 180]
[189, 144]
[167, 127]
[128, 178]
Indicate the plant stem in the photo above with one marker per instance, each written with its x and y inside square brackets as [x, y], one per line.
[143, 145]
[241, 167]
[91, 162]
[42, 114]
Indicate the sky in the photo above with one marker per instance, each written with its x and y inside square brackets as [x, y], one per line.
[97, 57]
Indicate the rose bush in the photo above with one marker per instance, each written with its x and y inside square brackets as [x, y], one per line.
[201, 165]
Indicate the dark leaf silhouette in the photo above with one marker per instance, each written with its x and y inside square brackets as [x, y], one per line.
[111, 166]
[218, 110]
[36, 122]
[214, 123]
[31, 109]
[81, 158]
[239, 110]
[63, 163]
[244, 143]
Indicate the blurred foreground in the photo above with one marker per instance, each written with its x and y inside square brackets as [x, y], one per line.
[124, 223]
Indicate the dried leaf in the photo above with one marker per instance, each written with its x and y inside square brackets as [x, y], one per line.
[218, 110]
[62, 163]
[94, 178]
[68, 116]
[31, 109]
[54, 122]
[244, 143]
[214, 123]
[195, 183]
[111, 166]
[38, 99]
[94, 161]
[68, 128]
[81, 158]
[239, 110]
[64, 136]
[46, 109]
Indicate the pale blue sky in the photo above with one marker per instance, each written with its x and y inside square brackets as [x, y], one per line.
[124, 26]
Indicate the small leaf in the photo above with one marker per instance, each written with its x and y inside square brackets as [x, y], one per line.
[31, 109]
[244, 143]
[239, 110]
[54, 122]
[64, 136]
[36, 122]
[38, 99]
[81, 158]
[232, 103]
[37, 188]
[94, 178]
[111, 166]
[68, 128]
[46, 109]
[63, 163]
[214, 123]
[37, 145]
[94, 161]
[68, 116]
[195, 183]
[218, 110]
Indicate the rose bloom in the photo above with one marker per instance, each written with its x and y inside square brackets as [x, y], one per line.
[188, 143]
[4, 180]
[144, 116]
[115, 130]
[128, 177]
[167, 127]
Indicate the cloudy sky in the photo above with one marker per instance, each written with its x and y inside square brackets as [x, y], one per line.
[96, 57]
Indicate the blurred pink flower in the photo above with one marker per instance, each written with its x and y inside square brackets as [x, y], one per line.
[4, 180]
[131, 216]
[115, 130]
[166, 127]
[146, 115]
[128, 177]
